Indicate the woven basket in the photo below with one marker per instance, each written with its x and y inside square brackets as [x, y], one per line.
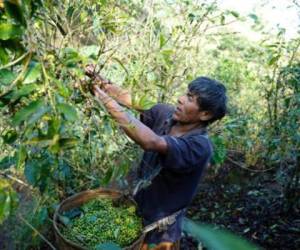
[78, 200]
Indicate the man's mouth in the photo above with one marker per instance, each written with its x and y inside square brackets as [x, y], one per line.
[177, 109]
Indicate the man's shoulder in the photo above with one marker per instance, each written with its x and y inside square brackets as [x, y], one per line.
[205, 140]
[163, 108]
[201, 138]
[162, 111]
[156, 114]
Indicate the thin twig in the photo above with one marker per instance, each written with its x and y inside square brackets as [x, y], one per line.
[294, 53]
[15, 61]
[244, 167]
[15, 179]
[36, 231]
[12, 85]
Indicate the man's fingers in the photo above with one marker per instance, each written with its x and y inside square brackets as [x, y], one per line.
[90, 69]
[97, 90]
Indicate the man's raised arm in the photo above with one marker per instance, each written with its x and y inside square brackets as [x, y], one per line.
[135, 129]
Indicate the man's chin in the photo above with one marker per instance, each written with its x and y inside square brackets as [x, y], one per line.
[175, 118]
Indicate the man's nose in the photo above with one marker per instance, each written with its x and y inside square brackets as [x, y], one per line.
[181, 99]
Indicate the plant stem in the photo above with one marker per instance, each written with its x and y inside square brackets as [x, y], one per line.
[48, 88]
[20, 76]
[36, 231]
[15, 179]
[15, 61]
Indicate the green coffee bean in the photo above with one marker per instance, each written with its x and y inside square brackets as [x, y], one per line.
[102, 222]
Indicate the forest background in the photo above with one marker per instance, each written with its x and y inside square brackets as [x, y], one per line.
[56, 141]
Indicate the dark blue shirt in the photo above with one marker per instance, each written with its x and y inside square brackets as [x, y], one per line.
[180, 168]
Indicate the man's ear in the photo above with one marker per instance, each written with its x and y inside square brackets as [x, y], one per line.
[205, 115]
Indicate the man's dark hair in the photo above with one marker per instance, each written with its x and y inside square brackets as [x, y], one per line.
[211, 96]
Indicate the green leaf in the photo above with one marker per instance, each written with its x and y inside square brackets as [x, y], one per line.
[90, 51]
[40, 112]
[33, 73]
[4, 57]
[222, 19]
[42, 141]
[10, 31]
[70, 53]
[108, 246]
[163, 87]
[273, 60]
[103, 2]
[254, 17]
[65, 220]
[62, 90]
[167, 53]
[31, 172]
[145, 103]
[41, 215]
[38, 171]
[53, 127]
[21, 156]
[220, 151]
[54, 147]
[192, 17]
[6, 98]
[234, 13]
[162, 40]
[63, 172]
[23, 91]
[121, 64]
[4, 206]
[68, 111]
[10, 136]
[66, 143]
[70, 57]
[15, 11]
[8, 200]
[26, 112]
[6, 76]
[216, 239]
[70, 12]
[7, 162]
[108, 176]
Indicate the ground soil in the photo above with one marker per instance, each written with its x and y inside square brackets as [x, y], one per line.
[250, 204]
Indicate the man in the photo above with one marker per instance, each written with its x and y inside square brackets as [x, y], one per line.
[177, 150]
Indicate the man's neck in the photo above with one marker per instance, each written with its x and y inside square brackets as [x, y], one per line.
[179, 129]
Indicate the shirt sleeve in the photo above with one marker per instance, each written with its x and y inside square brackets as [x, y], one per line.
[157, 112]
[186, 153]
[147, 117]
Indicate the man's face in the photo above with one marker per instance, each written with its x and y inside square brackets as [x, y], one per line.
[187, 110]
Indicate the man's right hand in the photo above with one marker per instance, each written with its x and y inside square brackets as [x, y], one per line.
[122, 96]
[90, 70]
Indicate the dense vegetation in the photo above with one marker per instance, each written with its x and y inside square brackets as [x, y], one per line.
[56, 140]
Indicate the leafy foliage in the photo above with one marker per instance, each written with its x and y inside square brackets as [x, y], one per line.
[8, 200]
[60, 142]
[215, 238]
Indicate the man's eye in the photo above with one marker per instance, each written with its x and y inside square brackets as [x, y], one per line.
[190, 96]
